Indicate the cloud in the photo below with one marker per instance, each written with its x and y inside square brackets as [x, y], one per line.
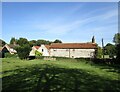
[58, 27]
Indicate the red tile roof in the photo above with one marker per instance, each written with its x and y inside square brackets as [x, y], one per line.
[47, 46]
[73, 46]
[37, 47]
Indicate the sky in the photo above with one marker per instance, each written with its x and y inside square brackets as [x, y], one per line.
[71, 22]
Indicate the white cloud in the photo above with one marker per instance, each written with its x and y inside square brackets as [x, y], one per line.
[59, 27]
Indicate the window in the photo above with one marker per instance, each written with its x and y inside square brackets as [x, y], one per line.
[54, 50]
[42, 50]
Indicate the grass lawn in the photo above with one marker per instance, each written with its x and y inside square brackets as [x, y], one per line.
[61, 75]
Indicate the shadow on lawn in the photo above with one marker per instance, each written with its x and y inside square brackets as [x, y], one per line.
[47, 78]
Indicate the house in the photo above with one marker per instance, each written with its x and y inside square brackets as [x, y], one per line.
[44, 49]
[34, 48]
[71, 50]
[7, 48]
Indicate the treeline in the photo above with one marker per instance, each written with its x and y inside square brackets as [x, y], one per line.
[22, 41]
[113, 50]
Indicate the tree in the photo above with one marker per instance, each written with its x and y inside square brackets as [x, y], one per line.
[13, 40]
[110, 50]
[116, 38]
[99, 52]
[32, 43]
[23, 51]
[93, 39]
[57, 41]
[22, 41]
[39, 42]
[2, 43]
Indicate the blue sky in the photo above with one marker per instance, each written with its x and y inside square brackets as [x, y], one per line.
[69, 22]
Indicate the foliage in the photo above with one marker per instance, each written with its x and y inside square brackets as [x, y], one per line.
[99, 52]
[118, 53]
[23, 51]
[32, 43]
[2, 43]
[116, 38]
[93, 39]
[57, 41]
[8, 55]
[110, 50]
[37, 53]
[39, 42]
[22, 41]
[13, 40]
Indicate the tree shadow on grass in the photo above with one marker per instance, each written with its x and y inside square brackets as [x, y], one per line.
[108, 68]
[47, 78]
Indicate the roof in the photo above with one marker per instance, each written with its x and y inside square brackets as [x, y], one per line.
[37, 47]
[47, 46]
[12, 45]
[73, 46]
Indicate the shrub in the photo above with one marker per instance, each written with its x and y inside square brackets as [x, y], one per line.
[37, 53]
[8, 55]
[23, 51]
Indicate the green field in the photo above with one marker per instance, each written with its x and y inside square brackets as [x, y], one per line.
[61, 75]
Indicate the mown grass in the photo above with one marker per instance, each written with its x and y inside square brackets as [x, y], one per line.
[61, 75]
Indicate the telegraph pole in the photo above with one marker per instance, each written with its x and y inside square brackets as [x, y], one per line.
[103, 48]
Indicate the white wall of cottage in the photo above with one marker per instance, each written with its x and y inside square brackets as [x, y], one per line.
[32, 52]
[73, 53]
[44, 50]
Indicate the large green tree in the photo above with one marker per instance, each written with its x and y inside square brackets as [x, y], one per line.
[39, 42]
[22, 41]
[110, 50]
[23, 51]
[116, 40]
[32, 43]
[13, 40]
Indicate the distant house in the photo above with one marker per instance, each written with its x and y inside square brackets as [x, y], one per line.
[34, 48]
[8, 48]
[44, 49]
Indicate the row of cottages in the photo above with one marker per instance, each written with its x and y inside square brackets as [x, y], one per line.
[71, 50]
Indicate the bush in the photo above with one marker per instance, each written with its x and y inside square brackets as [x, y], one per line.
[38, 54]
[8, 55]
[23, 51]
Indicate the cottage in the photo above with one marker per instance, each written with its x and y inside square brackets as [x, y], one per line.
[44, 49]
[73, 50]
